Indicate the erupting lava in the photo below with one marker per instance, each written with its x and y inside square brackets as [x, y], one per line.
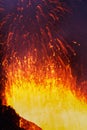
[39, 84]
[44, 94]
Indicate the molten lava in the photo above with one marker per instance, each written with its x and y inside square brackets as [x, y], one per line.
[44, 94]
[39, 85]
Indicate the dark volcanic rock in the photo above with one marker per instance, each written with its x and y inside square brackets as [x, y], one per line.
[9, 120]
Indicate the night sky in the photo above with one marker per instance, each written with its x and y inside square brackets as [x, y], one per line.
[75, 28]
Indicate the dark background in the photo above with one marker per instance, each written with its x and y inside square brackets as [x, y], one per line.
[75, 29]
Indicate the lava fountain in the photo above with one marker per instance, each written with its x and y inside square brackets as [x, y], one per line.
[39, 83]
[45, 94]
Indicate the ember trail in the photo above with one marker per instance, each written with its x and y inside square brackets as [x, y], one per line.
[39, 83]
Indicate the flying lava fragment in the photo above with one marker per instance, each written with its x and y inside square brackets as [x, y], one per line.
[39, 82]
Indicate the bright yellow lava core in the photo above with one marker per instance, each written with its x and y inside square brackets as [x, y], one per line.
[45, 95]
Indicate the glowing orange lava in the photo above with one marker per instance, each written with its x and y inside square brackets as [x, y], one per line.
[40, 86]
[44, 94]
